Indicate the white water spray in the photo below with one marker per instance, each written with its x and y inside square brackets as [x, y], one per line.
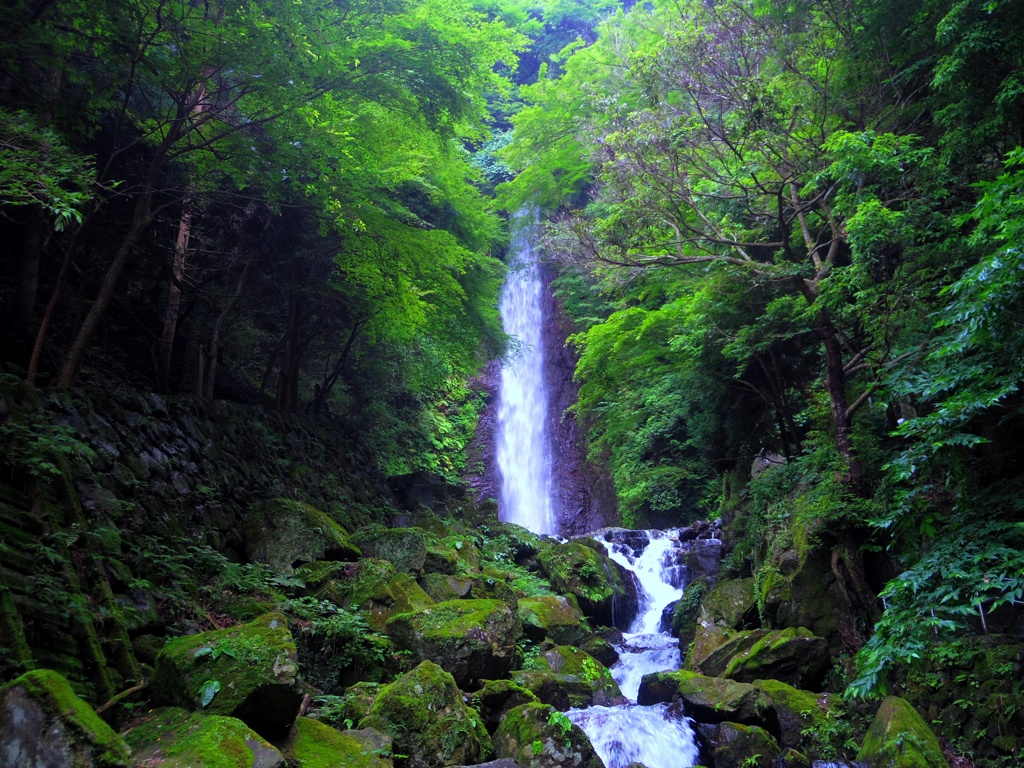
[523, 451]
[657, 736]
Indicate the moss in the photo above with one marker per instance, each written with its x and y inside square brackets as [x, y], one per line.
[174, 738]
[567, 677]
[556, 617]
[424, 713]
[793, 655]
[744, 746]
[317, 573]
[708, 699]
[283, 533]
[317, 745]
[376, 588]
[53, 693]
[497, 697]
[731, 604]
[578, 568]
[900, 738]
[531, 735]
[404, 548]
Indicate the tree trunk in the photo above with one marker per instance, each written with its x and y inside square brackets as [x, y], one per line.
[214, 351]
[28, 277]
[332, 378]
[163, 367]
[835, 384]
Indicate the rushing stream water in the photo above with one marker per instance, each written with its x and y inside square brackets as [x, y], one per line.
[523, 450]
[658, 736]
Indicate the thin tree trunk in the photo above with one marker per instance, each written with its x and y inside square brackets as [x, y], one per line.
[835, 383]
[163, 370]
[214, 351]
[28, 277]
[332, 378]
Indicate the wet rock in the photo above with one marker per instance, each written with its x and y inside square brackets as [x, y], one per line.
[176, 738]
[443, 587]
[731, 604]
[285, 534]
[404, 548]
[43, 723]
[797, 711]
[535, 737]
[470, 639]
[497, 697]
[709, 699]
[740, 746]
[424, 714]
[566, 677]
[555, 617]
[501, 763]
[424, 489]
[601, 650]
[793, 655]
[900, 738]
[685, 613]
[376, 589]
[316, 745]
[606, 592]
[249, 671]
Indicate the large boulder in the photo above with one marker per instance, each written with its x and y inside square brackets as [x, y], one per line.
[709, 699]
[731, 605]
[566, 677]
[798, 713]
[740, 746]
[171, 737]
[249, 671]
[605, 591]
[538, 736]
[470, 639]
[793, 655]
[555, 617]
[682, 621]
[404, 548]
[424, 713]
[375, 588]
[44, 723]
[900, 738]
[316, 745]
[285, 534]
[494, 700]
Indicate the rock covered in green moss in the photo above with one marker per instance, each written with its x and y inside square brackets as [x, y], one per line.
[900, 738]
[538, 736]
[451, 554]
[496, 697]
[316, 745]
[424, 713]
[732, 604]
[44, 723]
[566, 677]
[375, 588]
[797, 711]
[174, 738]
[708, 699]
[487, 586]
[740, 746]
[685, 611]
[793, 655]
[404, 548]
[470, 639]
[601, 649]
[555, 617]
[249, 671]
[285, 534]
[606, 592]
[443, 587]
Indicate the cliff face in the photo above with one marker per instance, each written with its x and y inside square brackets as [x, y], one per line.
[584, 497]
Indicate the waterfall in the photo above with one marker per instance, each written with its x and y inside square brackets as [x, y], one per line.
[523, 449]
[658, 736]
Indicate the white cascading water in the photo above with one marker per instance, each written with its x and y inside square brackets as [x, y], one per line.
[657, 736]
[523, 452]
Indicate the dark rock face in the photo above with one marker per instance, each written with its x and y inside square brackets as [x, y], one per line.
[583, 494]
[424, 489]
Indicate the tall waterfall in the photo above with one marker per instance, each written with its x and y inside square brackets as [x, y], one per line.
[523, 448]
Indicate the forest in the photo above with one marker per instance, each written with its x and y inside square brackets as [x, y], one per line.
[253, 254]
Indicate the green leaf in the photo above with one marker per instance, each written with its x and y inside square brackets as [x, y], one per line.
[208, 691]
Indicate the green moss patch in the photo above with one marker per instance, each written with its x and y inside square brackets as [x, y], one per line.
[900, 738]
[317, 745]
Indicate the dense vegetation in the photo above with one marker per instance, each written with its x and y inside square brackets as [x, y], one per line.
[793, 229]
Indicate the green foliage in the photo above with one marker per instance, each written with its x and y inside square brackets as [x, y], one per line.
[39, 447]
[339, 637]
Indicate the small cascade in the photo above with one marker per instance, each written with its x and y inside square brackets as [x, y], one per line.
[523, 449]
[658, 736]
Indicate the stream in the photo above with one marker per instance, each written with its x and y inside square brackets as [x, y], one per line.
[658, 736]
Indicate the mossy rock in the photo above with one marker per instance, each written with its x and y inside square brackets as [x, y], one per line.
[683, 623]
[797, 710]
[354, 704]
[556, 617]
[319, 572]
[508, 540]
[424, 713]
[709, 699]
[566, 677]
[793, 655]
[491, 587]
[443, 587]
[606, 592]
[808, 596]
[171, 737]
[731, 605]
[43, 723]
[404, 548]
[376, 589]
[451, 555]
[535, 737]
[285, 534]
[497, 697]
[601, 649]
[316, 745]
[249, 671]
[900, 738]
[740, 746]
[470, 639]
